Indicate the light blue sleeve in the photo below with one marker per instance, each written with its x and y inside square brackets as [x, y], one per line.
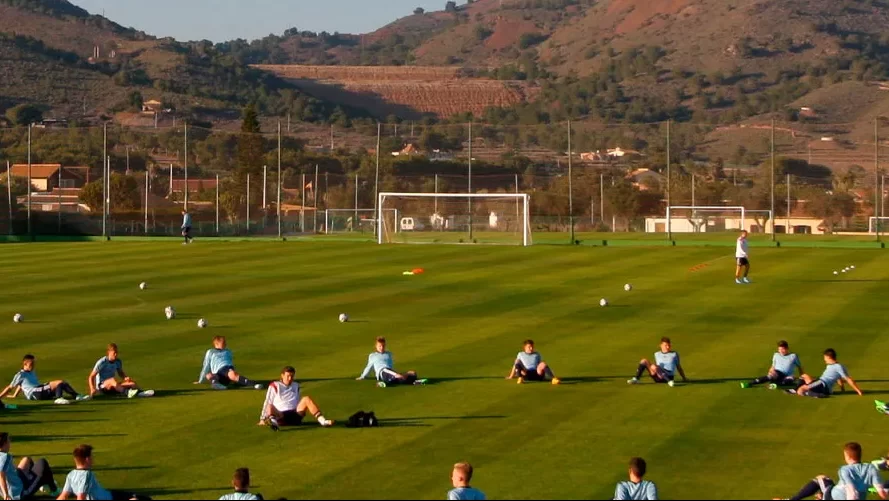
[774, 360]
[16, 380]
[796, 362]
[651, 491]
[4, 458]
[846, 477]
[620, 493]
[452, 495]
[75, 483]
[369, 367]
[205, 369]
[873, 476]
[98, 366]
[841, 371]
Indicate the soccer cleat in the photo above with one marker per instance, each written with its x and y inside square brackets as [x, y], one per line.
[557, 380]
[82, 398]
[10, 407]
[217, 386]
[147, 393]
[381, 384]
[61, 401]
[273, 424]
[520, 380]
[791, 391]
[879, 404]
[257, 386]
[132, 393]
[45, 489]
[421, 382]
[633, 381]
[745, 280]
[671, 383]
[773, 386]
[744, 386]
[737, 280]
[327, 423]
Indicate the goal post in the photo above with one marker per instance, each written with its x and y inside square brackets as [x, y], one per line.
[878, 223]
[483, 218]
[698, 218]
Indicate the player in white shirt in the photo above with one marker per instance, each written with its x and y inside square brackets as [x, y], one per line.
[743, 258]
[283, 405]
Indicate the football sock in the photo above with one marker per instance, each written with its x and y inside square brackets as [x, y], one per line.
[65, 388]
[640, 370]
[549, 372]
[808, 490]
[760, 380]
[244, 381]
[320, 417]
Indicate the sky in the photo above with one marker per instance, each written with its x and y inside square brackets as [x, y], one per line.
[220, 20]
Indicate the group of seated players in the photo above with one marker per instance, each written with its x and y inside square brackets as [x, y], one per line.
[284, 406]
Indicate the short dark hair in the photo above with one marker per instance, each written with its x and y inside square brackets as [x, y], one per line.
[783, 344]
[288, 370]
[4, 437]
[665, 339]
[528, 342]
[112, 347]
[638, 467]
[830, 352]
[28, 357]
[853, 449]
[241, 479]
[381, 339]
[83, 452]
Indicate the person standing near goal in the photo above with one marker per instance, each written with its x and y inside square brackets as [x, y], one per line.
[741, 254]
[186, 227]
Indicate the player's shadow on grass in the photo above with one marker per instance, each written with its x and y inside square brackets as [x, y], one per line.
[177, 493]
[437, 380]
[839, 280]
[50, 438]
[54, 421]
[122, 468]
[175, 393]
[734, 380]
[439, 418]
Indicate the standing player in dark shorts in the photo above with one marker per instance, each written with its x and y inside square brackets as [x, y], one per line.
[283, 405]
[784, 364]
[743, 260]
[186, 227]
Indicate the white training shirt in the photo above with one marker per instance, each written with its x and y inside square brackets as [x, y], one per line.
[284, 398]
[741, 249]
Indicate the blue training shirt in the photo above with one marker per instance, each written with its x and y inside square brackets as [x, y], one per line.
[376, 362]
[214, 360]
[833, 373]
[186, 220]
[466, 493]
[630, 491]
[106, 369]
[84, 482]
[860, 476]
[668, 362]
[13, 485]
[28, 381]
[529, 361]
[785, 364]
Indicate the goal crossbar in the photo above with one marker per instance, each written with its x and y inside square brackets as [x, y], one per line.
[523, 197]
[706, 208]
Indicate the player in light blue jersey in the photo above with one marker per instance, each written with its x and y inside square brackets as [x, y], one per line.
[103, 377]
[835, 373]
[81, 482]
[855, 479]
[26, 381]
[666, 365]
[219, 368]
[529, 366]
[380, 363]
[460, 478]
[784, 365]
[241, 483]
[636, 488]
[24, 480]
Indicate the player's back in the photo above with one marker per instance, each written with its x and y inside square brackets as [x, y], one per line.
[861, 476]
[466, 493]
[644, 490]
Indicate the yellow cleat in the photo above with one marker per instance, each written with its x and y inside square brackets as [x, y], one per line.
[557, 380]
[521, 380]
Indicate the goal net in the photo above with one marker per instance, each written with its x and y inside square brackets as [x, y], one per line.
[705, 219]
[454, 218]
[351, 220]
[875, 224]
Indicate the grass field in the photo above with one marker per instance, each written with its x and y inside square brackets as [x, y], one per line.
[460, 324]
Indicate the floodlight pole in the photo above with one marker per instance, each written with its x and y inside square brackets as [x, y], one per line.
[570, 186]
[185, 205]
[376, 173]
[772, 147]
[877, 171]
[787, 229]
[29, 180]
[105, 180]
[669, 180]
[355, 216]
[279, 172]
[217, 205]
[146, 201]
[9, 193]
[469, 190]
[248, 205]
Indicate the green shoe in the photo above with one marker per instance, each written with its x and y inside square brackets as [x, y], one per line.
[381, 384]
[421, 382]
[10, 407]
[773, 386]
[878, 404]
[744, 386]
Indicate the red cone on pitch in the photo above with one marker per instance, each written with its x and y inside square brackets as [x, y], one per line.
[417, 271]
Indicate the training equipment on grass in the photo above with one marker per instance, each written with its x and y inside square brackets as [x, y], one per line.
[170, 313]
[852, 267]
[202, 324]
[454, 218]
[836, 272]
[344, 318]
[418, 271]
[628, 287]
[603, 302]
[17, 318]
[143, 286]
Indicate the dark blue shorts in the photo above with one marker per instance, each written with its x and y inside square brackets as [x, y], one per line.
[222, 374]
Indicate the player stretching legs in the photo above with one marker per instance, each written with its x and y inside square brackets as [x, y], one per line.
[743, 260]
[855, 479]
[26, 381]
[665, 366]
[781, 371]
[219, 369]
[103, 377]
[529, 366]
[834, 373]
[284, 407]
[380, 363]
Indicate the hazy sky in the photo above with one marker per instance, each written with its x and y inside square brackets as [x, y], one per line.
[220, 20]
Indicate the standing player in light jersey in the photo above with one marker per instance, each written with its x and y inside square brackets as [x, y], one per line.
[665, 367]
[743, 259]
[186, 227]
[103, 377]
[855, 479]
[380, 363]
[26, 381]
[284, 407]
[636, 488]
[834, 373]
[784, 364]
[529, 366]
[219, 368]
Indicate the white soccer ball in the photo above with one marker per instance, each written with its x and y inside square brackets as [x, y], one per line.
[202, 323]
[836, 273]
[170, 313]
[143, 286]
[628, 287]
[344, 318]
[844, 271]
[852, 267]
[17, 318]
[603, 302]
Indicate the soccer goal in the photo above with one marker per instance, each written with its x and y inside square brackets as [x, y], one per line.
[454, 218]
[880, 224]
[704, 219]
[351, 220]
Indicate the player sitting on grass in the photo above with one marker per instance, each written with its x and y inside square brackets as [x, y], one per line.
[284, 407]
[460, 477]
[82, 484]
[636, 488]
[781, 372]
[219, 369]
[529, 366]
[24, 481]
[665, 366]
[380, 362]
[855, 479]
[26, 381]
[241, 483]
[834, 373]
[103, 378]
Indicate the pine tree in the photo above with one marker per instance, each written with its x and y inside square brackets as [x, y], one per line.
[250, 144]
